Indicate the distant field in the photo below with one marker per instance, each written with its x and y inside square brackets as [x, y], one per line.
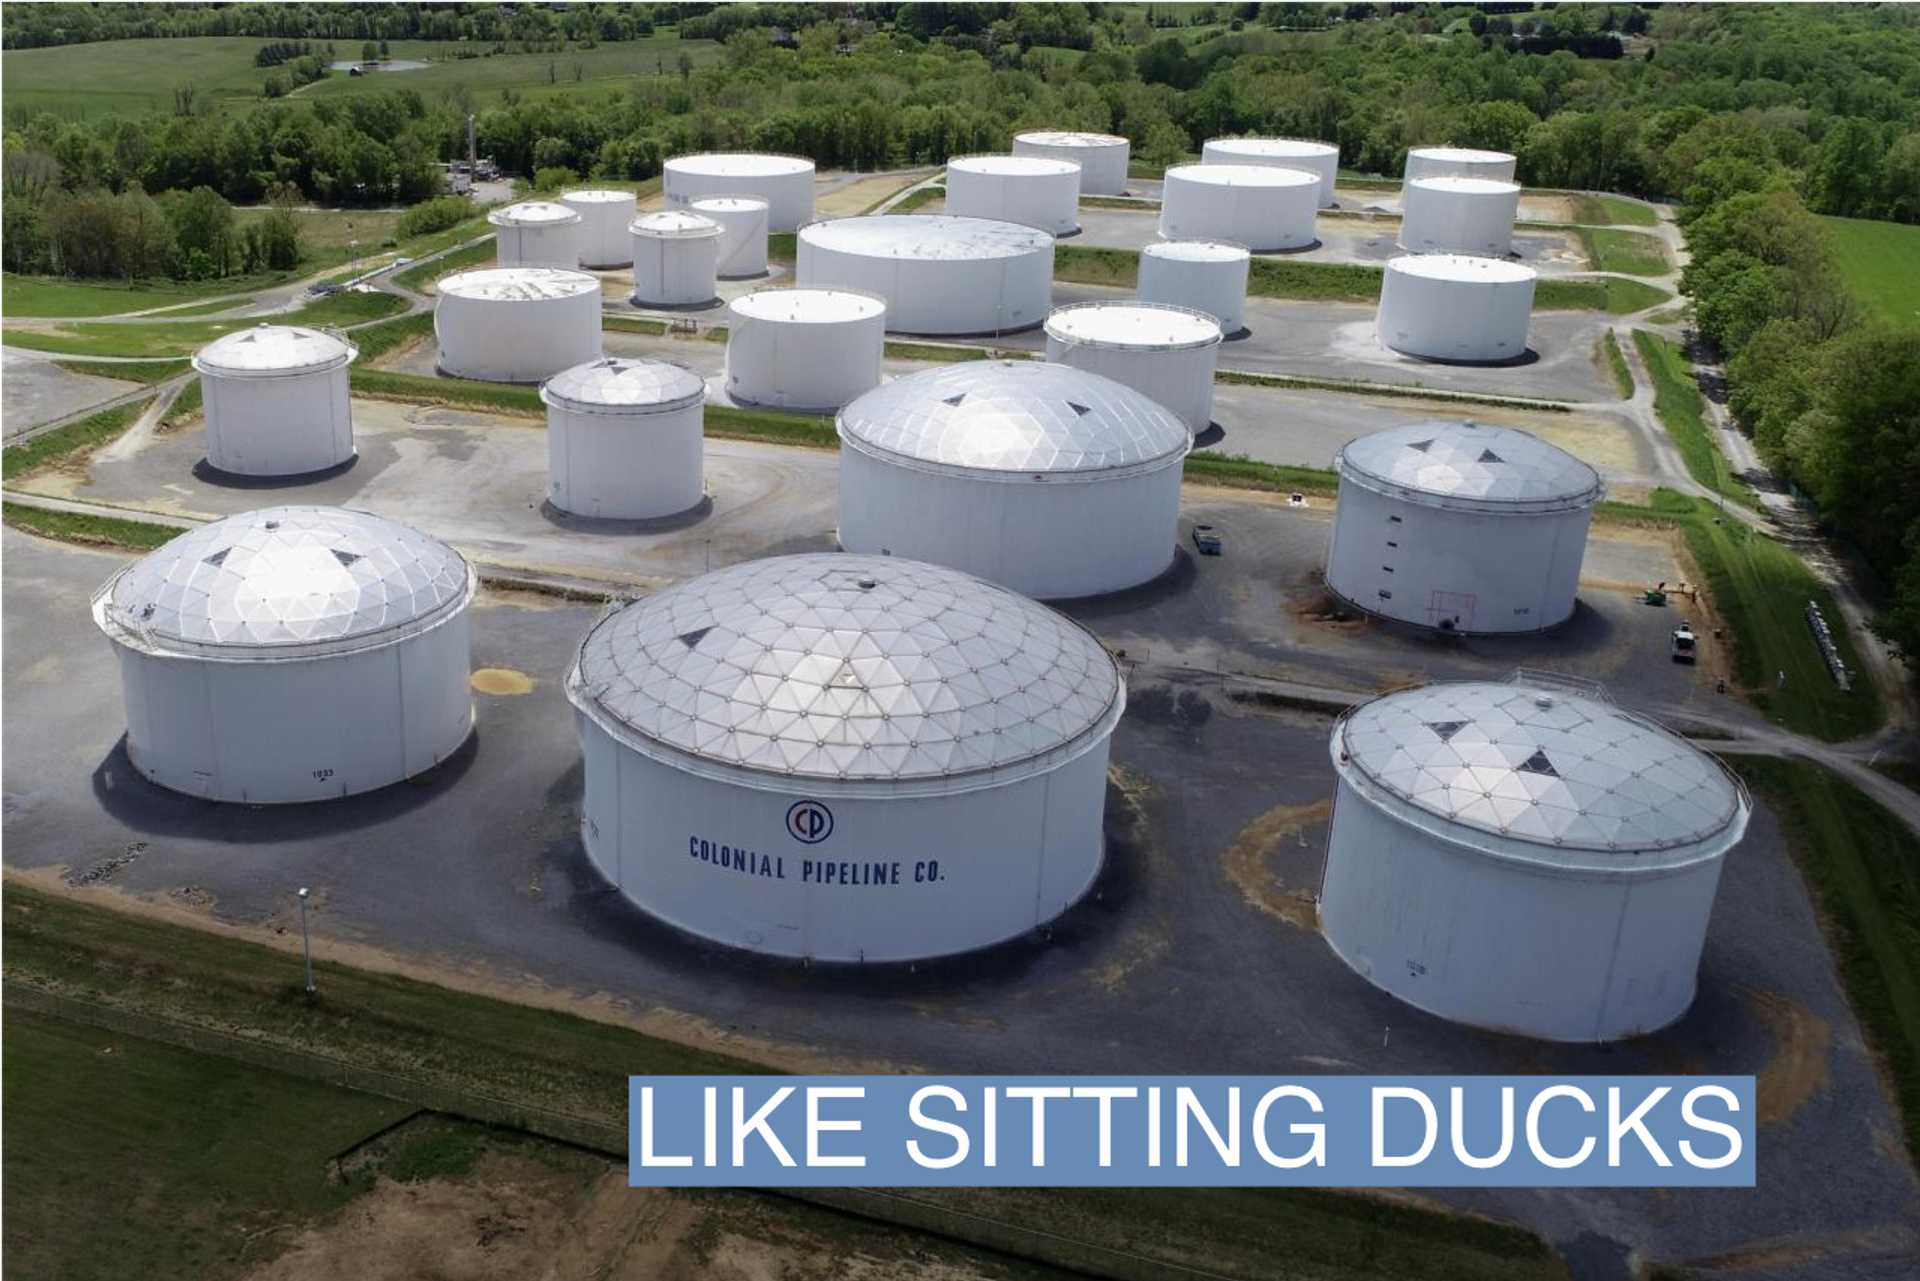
[56, 298]
[132, 77]
[182, 338]
[1881, 261]
[1629, 252]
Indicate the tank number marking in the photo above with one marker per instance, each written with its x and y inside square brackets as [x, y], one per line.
[323, 774]
[1415, 969]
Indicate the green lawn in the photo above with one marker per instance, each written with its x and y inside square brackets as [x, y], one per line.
[1605, 211]
[1676, 397]
[183, 338]
[1631, 253]
[611, 65]
[1881, 262]
[120, 1149]
[128, 77]
[1863, 867]
[1617, 365]
[59, 298]
[62, 443]
[418, 277]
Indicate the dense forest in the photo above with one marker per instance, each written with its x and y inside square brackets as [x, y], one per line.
[1755, 118]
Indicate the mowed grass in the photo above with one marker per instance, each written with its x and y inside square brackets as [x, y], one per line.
[1631, 253]
[1676, 398]
[183, 338]
[120, 1149]
[62, 443]
[1881, 263]
[128, 77]
[55, 297]
[1617, 365]
[577, 69]
[1611, 211]
[1863, 866]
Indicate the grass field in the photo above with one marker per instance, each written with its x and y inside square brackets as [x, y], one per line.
[1611, 211]
[1617, 365]
[1676, 397]
[1630, 253]
[58, 298]
[1881, 262]
[183, 338]
[581, 70]
[1863, 867]
[62, 443]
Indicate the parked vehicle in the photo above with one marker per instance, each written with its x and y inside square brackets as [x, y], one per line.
[1684, 646]
[1207, 539]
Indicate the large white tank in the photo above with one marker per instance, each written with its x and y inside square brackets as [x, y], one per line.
[1034, 191]
[1458, 162]
[1043, 478]
[1458, 216]
[938, 274]
[1452, 307]
[1102, 157]
[516, 324]
[1525, 857]
[1263, 208]
[743, 233]
[604, 216]
[276, 400]
[676, 259]
[812, 349]
[1461, 526]
[1318, 158]
[1207, 275]
[784, 182]
[1167, 354]
[845, 758]
[624, 439]
[536, 233]
[291, 654]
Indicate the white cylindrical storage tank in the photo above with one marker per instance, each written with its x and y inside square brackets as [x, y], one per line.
[845, 758]
[1209, 276]
[743, 233]
[1461, 526]
[1458, 216]
[1102, 157]
[1452, 307]
[536, 233]
[1043, 478]
[1320, 158]
[938, 274]
[1034, 191]
[1458, 162]
[604, 216]
[1525, 857]
[676, 259]
[624, 439]
[1264, 209]
[292, 654]
[516, 324]
[811, 349]
[1167, 354]
[276, 400]
[784, 182]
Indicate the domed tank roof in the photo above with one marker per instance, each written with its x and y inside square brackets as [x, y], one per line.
[517, 284]
[1133, 326]
[1468, 464]
[618, 384]
[268, 351]
[740, 164]
[847, 669]
[1014, 419]
[534, 213]
[673, 224]
[922, 237]
[285, 582]
[1198, 251]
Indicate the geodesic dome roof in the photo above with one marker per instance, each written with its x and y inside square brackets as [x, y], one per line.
[1016, 417]
[616, 384]
[1475, 465]
[517, 284]
[285, 582]
[266, 351]
[1536, 774]
[847, 668]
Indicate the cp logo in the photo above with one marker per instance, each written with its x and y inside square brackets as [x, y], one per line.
[809, 822]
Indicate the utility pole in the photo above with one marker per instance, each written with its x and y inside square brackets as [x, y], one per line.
[306, 942]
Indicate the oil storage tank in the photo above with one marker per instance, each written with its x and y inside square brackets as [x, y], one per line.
[845, 758]
[1034, 191]
[292, 654]
[1458, 162]
[743, 233]
[1461, 526]
[516, 324]
[1525, 857]
[1207, 275]
[1102, 157]
[784, 182]
[1452, 307]
[1282, 153]
[604, 216]
[276, 400]
[804, 348]
[676, 259]
[1167, 354]
[1458, 216]
[938, 274]
[536, 233]
[625, 439]
[1044, 478]
[1263, 208]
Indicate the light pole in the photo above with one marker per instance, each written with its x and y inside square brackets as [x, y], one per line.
[306, 943]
